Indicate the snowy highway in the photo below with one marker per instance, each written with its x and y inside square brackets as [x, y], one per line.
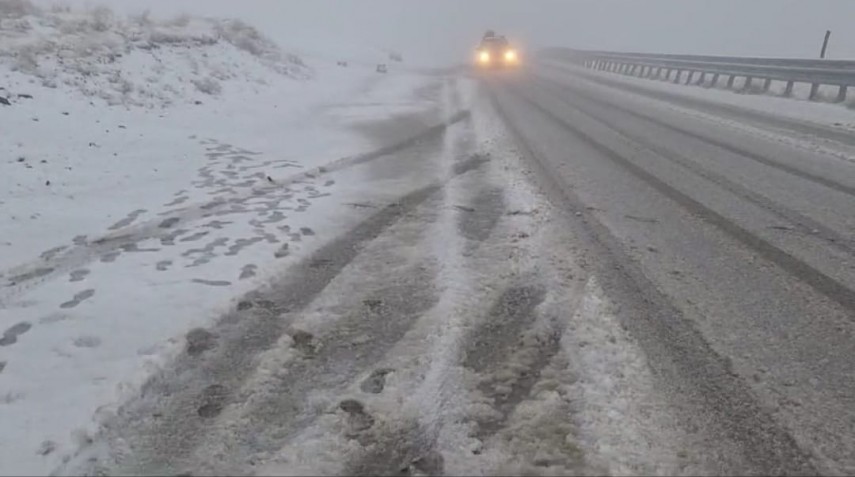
[307, 269]
[724, 234]
[580, 276]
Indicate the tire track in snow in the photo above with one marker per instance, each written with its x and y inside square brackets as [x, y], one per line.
[370, 438]
[721, 404]
[164, 427]
[432, 399]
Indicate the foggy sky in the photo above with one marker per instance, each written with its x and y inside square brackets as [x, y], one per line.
[442, 31]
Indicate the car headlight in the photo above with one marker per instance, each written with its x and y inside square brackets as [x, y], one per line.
[484, 56]
[511, 55]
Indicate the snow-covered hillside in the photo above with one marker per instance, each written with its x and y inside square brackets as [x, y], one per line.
[150, 173]
[135, 60]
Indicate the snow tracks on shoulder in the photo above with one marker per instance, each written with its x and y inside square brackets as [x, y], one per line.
[445, 334]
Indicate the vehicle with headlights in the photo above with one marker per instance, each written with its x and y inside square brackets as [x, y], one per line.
[496, 52]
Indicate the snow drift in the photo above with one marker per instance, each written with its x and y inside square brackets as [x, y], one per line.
[137, 60]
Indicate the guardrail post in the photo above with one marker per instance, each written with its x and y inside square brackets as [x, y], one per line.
[730, 81]
[814, 89]
[841, 93]
[767, 84]
[747, 85]
[788, 91]
[701, 78]
[677, 76]
[714, 80]
[689, 79]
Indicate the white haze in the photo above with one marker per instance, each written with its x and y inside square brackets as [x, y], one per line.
[444, 31]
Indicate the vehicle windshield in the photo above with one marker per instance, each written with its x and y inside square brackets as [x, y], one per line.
[494, 42]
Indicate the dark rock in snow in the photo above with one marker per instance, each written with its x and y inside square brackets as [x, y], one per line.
[213, 400]
[25, 96]
[352, 406]
[200, 340]
[5, 101]
[303, 341]
[375, 383]
[46, 448]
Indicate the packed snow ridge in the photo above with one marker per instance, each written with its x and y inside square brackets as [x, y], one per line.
[134, 61]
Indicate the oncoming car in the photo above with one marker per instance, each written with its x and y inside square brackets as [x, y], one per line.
[495, 51]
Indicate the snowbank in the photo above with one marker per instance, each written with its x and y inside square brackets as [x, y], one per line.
[135, 60]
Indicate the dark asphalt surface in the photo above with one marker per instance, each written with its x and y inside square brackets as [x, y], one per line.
[730, 252]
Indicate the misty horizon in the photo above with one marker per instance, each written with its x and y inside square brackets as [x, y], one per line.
[443, 31]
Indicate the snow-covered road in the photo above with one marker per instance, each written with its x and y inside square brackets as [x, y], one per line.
[131, 217]
[442, 332]
[220, 258]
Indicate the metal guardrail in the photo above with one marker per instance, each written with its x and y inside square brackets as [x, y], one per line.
[838, 73]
